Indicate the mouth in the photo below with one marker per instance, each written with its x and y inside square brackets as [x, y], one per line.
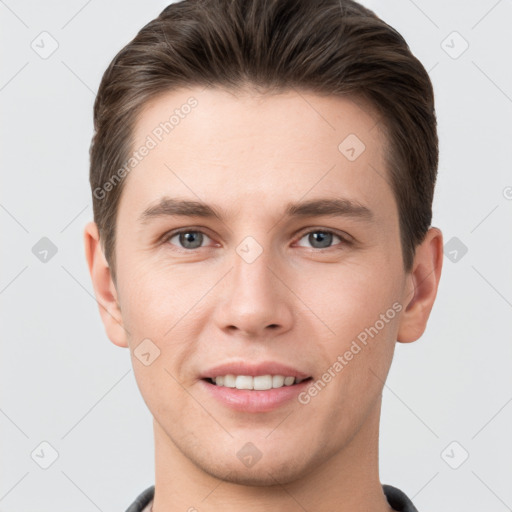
[254, 394]
[255, 383]
[254, 387]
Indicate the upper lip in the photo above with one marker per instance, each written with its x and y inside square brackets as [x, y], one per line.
[254, 369]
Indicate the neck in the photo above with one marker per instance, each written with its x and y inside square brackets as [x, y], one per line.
[346, 481]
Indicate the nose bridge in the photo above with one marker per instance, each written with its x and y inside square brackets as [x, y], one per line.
[255, 299]
[251, 273]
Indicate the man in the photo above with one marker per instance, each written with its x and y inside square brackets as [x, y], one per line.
[262, 176]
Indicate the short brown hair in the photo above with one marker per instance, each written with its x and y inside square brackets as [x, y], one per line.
[328, 47]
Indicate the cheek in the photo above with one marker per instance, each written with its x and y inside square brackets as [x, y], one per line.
[159, 309]
[359, 312]
[154, 298]
[347, 298]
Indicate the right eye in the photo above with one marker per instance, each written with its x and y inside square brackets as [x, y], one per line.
[188, 239]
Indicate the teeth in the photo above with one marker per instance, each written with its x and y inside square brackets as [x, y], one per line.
[259, 383]
[229, 381]
[277, 381]
[243, 382]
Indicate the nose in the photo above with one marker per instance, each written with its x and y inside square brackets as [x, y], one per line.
[253, 302]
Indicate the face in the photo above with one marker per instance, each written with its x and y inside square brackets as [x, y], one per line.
[299, 264]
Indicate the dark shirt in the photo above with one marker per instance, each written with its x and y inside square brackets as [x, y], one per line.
[396, 499]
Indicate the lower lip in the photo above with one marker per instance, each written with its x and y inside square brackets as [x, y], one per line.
[248, 400]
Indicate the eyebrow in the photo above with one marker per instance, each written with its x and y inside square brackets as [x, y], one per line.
[317, 207]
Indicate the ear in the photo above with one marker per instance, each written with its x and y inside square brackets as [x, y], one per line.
[421, 289]
[104, 288]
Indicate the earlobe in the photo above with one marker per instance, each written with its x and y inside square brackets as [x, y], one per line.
[423, 283]
[104, 289]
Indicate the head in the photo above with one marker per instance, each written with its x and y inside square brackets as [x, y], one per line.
[247, 111]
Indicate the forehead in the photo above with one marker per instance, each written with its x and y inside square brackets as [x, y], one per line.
[218, 114]
[214, 144]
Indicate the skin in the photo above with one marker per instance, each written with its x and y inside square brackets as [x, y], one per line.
[300, 302]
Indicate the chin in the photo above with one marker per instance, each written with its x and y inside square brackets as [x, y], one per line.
[264, 473]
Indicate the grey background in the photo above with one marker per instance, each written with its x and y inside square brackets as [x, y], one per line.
[64, 383]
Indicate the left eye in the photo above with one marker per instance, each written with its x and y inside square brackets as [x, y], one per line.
[320, 239]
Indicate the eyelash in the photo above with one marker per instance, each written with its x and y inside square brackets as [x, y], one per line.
[344, 240]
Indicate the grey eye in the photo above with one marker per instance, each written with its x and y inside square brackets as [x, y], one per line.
[189, 239]
[320, 239]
